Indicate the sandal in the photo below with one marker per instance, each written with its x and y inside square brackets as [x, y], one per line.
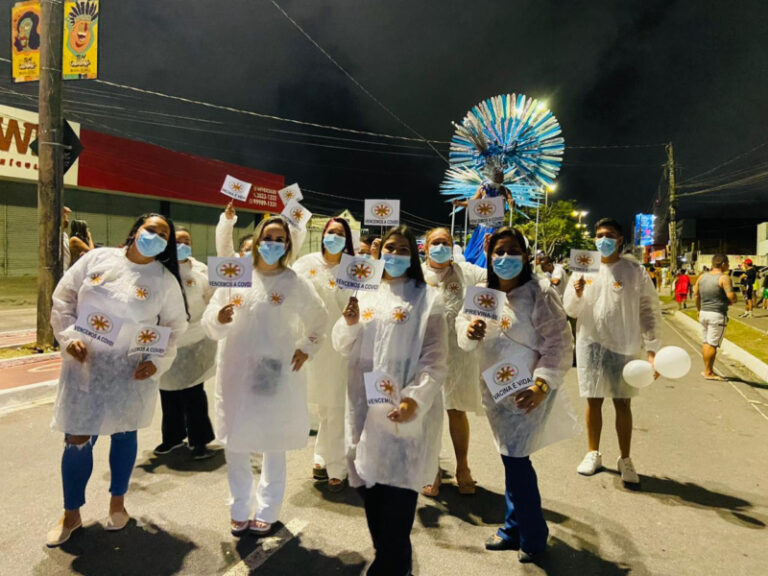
[336, 484]
[60, 533]
[715, 377]
[433, 490]
[465, 482]
[238, 528]
[319, 473]
[259, 528]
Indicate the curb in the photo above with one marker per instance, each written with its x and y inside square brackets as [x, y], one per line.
[757, 366]
[15, 398]
[29, 359]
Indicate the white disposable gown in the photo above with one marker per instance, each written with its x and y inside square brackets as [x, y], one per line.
[618, 315]
[100, 396]
[196, 353]
[535, 331]
[402, 333]
[460, 391]
[261, 403]
[327, 372]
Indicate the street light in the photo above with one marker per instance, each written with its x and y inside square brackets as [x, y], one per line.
[550, 189]
[580, 214]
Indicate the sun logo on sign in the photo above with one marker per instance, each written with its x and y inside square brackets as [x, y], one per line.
[100, 323]
[298, 215]
[584, 260]
[237, 301]
[485, 209]
[386, 387]
[147, 337]
[485, 301]
[367, 315]
[230, 270]
[505, 374]
[360, 271]
[237, 187]
[400, 315]
[382, 210]
[289, 195]
[142, 292]
[276, 298]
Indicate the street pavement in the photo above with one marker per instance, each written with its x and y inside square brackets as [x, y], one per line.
[699, 447]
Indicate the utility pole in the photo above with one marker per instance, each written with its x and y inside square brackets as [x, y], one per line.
[672, 209]
[50, 187]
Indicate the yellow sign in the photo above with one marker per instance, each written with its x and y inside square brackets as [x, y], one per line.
[81, 40]
[25, 40]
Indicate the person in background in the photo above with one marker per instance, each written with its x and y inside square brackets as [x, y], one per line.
[682, 288]
[80, 240]
[558, 277]
[66, 256]
[764, 285]
[102, 389]
[654, 276]
[267, 333]
[370, 246]
[182, 393]
[224, 229]
[397, 335]
[713, 293]
[618, 317]
[460, 391]
[327, 372]
[748, 282]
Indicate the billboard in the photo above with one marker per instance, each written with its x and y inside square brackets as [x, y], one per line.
[81, 40]
[25, 41]
[644, 229]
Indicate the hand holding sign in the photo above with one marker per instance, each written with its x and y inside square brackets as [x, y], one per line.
[292, 192]
[507, 377]
[237, 189]
[150, 339]
[230, 272]
[296, 214]
[585, 261]
[356, 273]
[382, 212]
[484, 302]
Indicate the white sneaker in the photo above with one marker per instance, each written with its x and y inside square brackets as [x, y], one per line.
[592, 463]
[627, 471]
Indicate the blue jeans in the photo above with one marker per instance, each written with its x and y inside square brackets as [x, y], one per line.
[77, 466]
[525, 519]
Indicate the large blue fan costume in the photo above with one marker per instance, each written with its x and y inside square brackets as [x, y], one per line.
[510, 135]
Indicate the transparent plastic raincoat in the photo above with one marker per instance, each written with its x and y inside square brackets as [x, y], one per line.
[261, 403]
[535, 331]
[327, 372]
[195, 353]
[618, 315]
[100, 396]
[460, 391]
[402, 333]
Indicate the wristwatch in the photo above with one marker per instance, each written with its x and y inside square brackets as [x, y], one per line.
[541, 385]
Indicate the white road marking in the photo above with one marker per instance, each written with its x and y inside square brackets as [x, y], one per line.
[267, 547]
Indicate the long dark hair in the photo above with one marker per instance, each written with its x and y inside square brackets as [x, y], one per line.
[79, 229]
[507, 232]
[348, 246]
[414, 270]
[34, 36]
[168, 257]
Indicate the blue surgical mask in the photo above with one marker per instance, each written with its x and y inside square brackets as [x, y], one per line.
[271, 251]
[440, 253]
[150, 244]
[396, 265]
[606, 246]
[183, 251]
[508, 267]
[246, 253]
[334, 243]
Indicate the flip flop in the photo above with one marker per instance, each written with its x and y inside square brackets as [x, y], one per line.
[715, 378]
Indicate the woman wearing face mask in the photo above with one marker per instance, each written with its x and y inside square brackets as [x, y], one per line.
[398, 331]
[460, 391]
[268, 332]
[182, 395]
[102, 390]
[225, 247]
[533, 335]
[327, 372]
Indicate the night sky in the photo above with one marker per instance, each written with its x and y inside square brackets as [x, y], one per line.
[629, 72]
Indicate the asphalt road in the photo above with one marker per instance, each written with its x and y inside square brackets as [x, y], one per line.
[703, 508]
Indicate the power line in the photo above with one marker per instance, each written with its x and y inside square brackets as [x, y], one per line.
[692, 178]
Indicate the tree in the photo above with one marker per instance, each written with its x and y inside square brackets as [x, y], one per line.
[558, 229]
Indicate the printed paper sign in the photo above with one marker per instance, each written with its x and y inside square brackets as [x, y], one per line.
[296, 214]
[357, 273]
[585, 261]
[486, 210]
[381, 389]
[230, 272]
[150, 339]
[98, 325]
[382, 212]
[484, 302]
[235, 188]
[507, 377]
[292, 192]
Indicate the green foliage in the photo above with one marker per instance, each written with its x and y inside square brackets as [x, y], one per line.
[558, 231]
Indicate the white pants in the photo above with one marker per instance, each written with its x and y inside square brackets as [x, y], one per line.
[269, 492]
[329, 445]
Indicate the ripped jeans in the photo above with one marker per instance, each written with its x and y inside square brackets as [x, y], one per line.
[77, 466]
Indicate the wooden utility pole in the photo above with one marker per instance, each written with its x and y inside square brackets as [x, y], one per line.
[50, 187]
[672, 209]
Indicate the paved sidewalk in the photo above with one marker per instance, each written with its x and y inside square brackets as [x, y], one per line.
[12, 319]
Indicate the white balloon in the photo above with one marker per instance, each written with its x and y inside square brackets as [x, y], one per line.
[672, 362]
[638, 373]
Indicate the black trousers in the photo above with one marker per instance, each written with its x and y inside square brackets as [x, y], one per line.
[390, 512]
[185, 415]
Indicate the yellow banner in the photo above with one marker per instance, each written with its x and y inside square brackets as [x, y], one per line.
[25, 41]
[81, 40]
